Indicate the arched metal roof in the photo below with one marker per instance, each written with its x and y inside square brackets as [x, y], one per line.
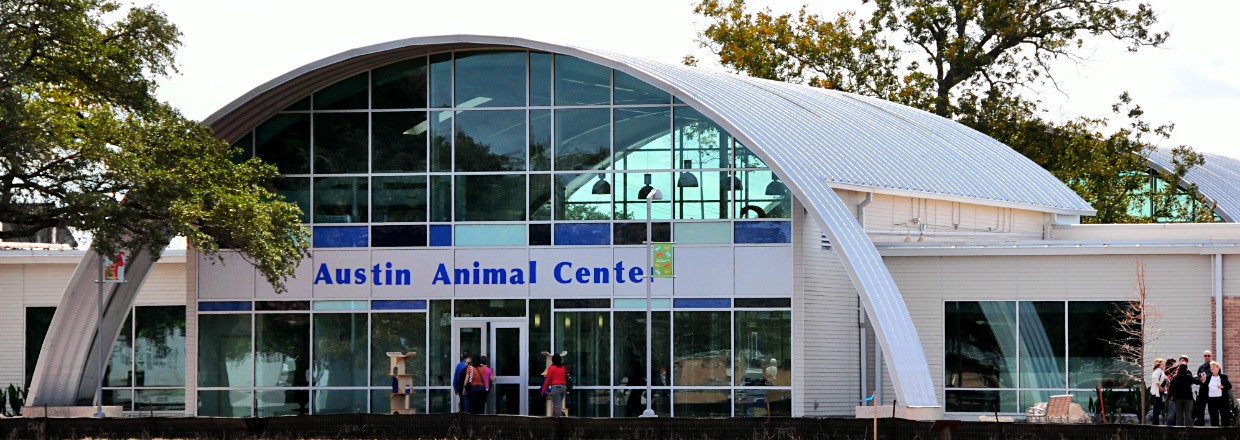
[1218, 180]
[814, 139]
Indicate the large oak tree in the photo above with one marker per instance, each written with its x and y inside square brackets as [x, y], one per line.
[84, 142]
[975, 61]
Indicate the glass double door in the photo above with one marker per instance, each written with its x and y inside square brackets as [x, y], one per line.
[504, 342]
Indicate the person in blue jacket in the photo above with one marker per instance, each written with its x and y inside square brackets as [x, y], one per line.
[458, 382]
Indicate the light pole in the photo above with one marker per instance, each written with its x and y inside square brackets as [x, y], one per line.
[651, 195]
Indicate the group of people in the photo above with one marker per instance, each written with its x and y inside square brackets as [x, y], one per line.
[472, 382]
[1172, 383]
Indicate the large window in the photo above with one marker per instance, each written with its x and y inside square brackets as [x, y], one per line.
[146, 371]
[1008, 355]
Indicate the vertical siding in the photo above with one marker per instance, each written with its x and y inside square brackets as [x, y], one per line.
[190, 296]
[896, 213]
[825, 329]
[12, 325]
[1231, 275]
[1179, 285]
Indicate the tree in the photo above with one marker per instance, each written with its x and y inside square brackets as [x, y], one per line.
[969, 60]
[85, 144]
[1140, 324]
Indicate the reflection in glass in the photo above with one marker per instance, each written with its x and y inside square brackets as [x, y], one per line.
[284, 140]
[339, 338]
[282, 349]
[398, 140]
[981, 401]
[340, 143]
[643, 138]
[580, 82]
[980, 344]
[439, 401]
[700, 140]
[340, 199]
[587, 338]
[340, 401]
[122, 398]
[702, 403]
[627, 188]
[159, 347]
[400, 85]
[492, 140]
[493, 197]
[441, 80]
[296, 190]
[763, 348]
[399, 199]
[439, 352]
[467, 308]
[224, 358]
[588, 403]
[702, 350]
[746, 159]
[583, 139]
[486, 79]
[631, 402]
[704, 199]
[441, 198]
[1042, 344]
[633, 91]
[630, 347]
[540, 198]
[763, 403]
[282, 403]
[1093, 357]
[397, 332]
[225, 403]
[762, 195]
[38, 321]
[540, 342]
[540, 79]
[540, 140]
[576, 199]
[441, 141]
[347, 94]
[116, 372]
[159, 400]
[381, 401]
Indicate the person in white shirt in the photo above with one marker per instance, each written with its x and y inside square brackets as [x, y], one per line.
[1157, 376]
[1216, 400]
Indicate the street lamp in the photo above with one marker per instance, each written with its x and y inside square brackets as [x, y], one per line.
[651, 194]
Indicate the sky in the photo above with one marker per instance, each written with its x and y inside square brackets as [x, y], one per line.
[231, 46]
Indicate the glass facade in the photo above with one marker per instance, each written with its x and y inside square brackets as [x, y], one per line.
[1006, 356]
[314, 360]
[146, 371]
[506, 149]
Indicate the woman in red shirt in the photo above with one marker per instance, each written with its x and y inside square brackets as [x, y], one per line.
[555, 382]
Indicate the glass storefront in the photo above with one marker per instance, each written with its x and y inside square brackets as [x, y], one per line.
[713, 358]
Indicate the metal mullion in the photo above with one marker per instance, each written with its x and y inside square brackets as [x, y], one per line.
[253, 363]
[311, 367]
[1066, 382]
[1016, 333]
[732, 359]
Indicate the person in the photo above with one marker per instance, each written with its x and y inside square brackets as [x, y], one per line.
[555, 383]
[475, 381]
[1156, 383]
[488, 378]
[637, 378]
[1215, 387]
[1169, 370]
[458, 381]
[1199, 405]
[1182, 393]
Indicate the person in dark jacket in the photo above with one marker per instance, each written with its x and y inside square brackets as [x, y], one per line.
[1199, 405]
[1182, 394]
[1215, 387]
[458, 382]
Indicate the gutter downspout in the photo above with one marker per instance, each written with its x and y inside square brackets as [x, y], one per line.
[869, 198]
[1218, 306]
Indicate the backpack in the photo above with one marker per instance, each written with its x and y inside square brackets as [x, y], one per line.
[568, 383]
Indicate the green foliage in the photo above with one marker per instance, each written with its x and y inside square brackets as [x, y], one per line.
[16, 398]
[87, 145]
[968, 60]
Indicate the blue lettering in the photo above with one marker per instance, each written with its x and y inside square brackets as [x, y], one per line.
[635, 274]
[460, 276]
[533, 272]
[360, 276]
[602, 275]
[324, 276]
[517, 277]
[583, 275]
[342, 276]
[558, 268]
[441, 275]
[494, 276]
[374, 274]
[403, 277]
[619, 272]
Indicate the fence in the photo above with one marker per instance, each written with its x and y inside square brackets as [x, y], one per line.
[460, 426]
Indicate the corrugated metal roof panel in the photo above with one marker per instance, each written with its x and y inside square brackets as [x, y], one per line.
[1218, 180]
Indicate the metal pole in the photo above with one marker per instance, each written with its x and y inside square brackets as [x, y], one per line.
[99, 345]
[649, 412]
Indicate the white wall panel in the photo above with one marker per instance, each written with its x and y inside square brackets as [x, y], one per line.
[341, 274]
[636, 257]
[703, 271]
[229, 277]
[763, 270]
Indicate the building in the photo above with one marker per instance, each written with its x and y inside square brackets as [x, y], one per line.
[490, 194]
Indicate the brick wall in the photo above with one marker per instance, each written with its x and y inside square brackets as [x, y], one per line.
[1231, 333]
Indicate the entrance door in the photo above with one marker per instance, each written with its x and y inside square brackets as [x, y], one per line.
[504, 342]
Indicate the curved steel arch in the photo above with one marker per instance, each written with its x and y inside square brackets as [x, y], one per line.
[812, 138]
